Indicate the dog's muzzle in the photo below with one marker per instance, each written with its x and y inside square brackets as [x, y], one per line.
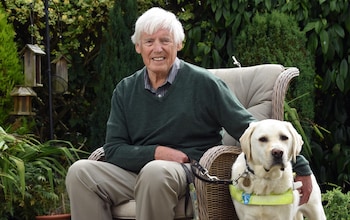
[277, 154]
[277, 159]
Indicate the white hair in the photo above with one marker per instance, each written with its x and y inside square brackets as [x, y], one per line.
[155, 19]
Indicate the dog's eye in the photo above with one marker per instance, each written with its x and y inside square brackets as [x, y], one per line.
[284, 137]
[263, 139]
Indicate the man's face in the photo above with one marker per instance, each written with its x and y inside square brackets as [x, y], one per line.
[158, 51]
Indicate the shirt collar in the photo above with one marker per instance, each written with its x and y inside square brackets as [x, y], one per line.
[171, 77]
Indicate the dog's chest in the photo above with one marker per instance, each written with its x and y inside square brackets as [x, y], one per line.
[257, 181]
[266, 187]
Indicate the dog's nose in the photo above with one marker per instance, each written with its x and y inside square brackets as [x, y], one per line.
[277, 153]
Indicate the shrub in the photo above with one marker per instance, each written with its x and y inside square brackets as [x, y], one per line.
[336, 204]
[10, 68]
[117, 59]
[276, 38]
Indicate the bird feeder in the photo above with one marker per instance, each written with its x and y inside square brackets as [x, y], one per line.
[22, 96]
[60, 78]
[32, 65]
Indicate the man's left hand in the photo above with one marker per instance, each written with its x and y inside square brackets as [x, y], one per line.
[306, 189]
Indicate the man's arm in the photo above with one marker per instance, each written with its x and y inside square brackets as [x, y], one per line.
[118, 147]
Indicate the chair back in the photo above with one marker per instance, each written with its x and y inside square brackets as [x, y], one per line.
[261, 89]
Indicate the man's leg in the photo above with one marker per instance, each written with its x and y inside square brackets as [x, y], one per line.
[94, 187]
[159, 186]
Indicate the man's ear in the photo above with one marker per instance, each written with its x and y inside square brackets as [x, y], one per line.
[179, 46]
[138, 48]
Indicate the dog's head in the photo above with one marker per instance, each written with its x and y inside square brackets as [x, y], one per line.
[271, 143]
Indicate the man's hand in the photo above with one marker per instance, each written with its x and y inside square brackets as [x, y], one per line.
[170, 154]
[306, 189]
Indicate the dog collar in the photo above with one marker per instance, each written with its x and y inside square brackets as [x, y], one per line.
[247, 166]
[252, 199]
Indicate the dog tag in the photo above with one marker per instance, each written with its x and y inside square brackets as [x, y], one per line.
[246, 198]
[246, 181]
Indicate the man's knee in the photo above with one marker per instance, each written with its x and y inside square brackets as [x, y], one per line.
[157, 169]
[159, 173]
[77, 170]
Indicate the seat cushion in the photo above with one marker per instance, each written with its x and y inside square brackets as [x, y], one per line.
[127, 210]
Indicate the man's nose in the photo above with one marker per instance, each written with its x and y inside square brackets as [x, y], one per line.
[158, 47]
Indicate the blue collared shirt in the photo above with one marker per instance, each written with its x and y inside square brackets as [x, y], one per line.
[161, 91]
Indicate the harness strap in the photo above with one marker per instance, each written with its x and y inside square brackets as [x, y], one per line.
[253, 199]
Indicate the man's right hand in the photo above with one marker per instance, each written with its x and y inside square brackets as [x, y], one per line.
[170, 154]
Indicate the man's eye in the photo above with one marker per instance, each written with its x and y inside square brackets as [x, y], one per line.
[166, 41]
[148, 42]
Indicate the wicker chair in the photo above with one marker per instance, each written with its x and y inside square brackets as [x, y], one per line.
[261, 89]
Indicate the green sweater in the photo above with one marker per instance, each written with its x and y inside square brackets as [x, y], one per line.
[189, 117]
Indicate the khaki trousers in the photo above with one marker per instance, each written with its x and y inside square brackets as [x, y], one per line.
[94, 187]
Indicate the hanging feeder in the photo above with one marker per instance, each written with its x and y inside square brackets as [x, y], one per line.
[32, 65]
[22, 97]
[60, 77]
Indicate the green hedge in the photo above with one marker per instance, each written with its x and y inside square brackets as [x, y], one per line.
[276, 38]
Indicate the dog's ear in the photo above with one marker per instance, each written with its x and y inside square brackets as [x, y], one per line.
[245, 140]
[297, 140]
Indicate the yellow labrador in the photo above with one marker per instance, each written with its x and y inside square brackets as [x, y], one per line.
[263, 184]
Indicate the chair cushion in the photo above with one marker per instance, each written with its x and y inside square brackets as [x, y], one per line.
[253, 87]
[127, 210]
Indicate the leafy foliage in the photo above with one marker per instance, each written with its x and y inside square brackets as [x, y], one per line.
[328, 32]
[32, 173]
[10, 68]
[75, 25]
[336, 204]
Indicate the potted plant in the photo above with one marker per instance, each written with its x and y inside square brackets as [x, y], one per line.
[43, 200]
[32, 175]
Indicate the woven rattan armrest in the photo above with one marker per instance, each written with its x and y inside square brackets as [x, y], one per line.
[279, 91]
[214, 200]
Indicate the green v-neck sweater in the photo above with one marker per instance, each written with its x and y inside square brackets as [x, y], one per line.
[189, 117]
